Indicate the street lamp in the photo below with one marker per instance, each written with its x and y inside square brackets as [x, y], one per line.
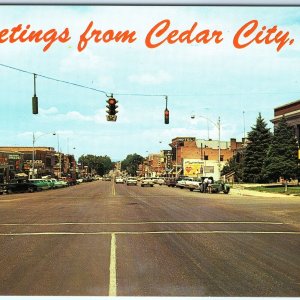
[33, 150]
[218, 125]
[59, 156]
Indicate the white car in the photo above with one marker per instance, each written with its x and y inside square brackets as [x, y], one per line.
[193, 184]
[119, 180]
[147, 182]
[131, 181]
[182, 183]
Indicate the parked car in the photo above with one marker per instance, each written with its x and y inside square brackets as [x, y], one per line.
[57, 183]
[119, 180]
[147, 182]
[69, 180]
[171, 181]
[182, 183]
[159, 180]
[41, 184]
[21, 186]
[194, 184]
[131, 181]
[79, 180]
[2, 189]
[219, 186]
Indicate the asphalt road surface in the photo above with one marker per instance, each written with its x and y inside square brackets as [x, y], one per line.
[101, 239]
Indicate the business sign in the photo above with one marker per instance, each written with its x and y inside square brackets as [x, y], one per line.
[14, 156]
[192, 167]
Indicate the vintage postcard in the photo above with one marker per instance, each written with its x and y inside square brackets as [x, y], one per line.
[149, 150]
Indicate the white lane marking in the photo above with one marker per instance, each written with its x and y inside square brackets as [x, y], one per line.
[144, 223]
[113, 191]
[150, 232]
[113, 267]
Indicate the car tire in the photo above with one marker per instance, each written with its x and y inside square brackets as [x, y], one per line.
[226, 191]
[9, 191]
[191, 189]
[31, 190]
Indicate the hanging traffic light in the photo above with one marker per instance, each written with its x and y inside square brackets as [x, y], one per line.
[35, 103]
[167, 114]
[112, 112]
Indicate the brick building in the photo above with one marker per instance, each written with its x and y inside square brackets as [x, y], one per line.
[191, 151]
[10, 164]
[46, 161]
[205, 151]
[291, 111]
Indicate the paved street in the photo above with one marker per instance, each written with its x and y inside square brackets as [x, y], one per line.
[104, 239]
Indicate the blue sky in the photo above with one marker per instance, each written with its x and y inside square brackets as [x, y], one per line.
[205, 80]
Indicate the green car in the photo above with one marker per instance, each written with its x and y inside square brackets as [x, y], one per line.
[219, 186]
[41, 184]
[55, 184]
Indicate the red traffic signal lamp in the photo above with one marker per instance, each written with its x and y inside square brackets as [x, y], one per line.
[112, 112]
[167, 115]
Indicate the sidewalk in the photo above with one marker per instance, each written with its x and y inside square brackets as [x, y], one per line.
[240, 190]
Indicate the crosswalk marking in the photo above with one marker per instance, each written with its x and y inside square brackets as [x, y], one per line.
[113, 267]
[150, 232]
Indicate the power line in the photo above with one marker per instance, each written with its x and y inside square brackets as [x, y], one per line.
[144, 94]
[80, 85]
[54, 79]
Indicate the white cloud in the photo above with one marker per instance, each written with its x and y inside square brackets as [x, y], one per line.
[86, 60]
[49, 111]
[159, 77]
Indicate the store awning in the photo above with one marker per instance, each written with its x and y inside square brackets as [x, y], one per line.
[21, 175]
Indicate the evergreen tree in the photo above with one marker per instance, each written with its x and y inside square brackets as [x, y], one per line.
[259, 139]
[282, 157]
[235, 164]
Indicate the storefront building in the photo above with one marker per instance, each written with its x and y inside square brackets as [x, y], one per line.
[11, 163]
[291, 112]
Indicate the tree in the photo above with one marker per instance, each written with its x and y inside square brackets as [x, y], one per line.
[235, 164]
[259, 139]
[98, 164]
[282, 157]
[131, 163]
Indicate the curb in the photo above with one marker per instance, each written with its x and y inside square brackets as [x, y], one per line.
[245, 192]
